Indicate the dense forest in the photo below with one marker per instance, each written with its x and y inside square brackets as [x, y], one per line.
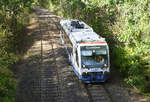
[124, 23]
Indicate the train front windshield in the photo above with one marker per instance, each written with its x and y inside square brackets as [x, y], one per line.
[94, 57]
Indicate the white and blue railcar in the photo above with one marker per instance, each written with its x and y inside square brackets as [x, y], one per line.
[88, 52]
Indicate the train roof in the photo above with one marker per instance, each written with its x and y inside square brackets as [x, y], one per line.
[80, 32]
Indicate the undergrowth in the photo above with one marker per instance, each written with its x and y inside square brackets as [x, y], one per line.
[13, 18]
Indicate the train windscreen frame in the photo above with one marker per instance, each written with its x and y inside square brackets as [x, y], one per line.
[94, 56]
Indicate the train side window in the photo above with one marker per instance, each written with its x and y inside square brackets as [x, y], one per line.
[77, 58]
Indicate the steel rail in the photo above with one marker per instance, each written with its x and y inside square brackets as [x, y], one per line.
[43, 87]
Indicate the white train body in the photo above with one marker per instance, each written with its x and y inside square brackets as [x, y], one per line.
[88, 52]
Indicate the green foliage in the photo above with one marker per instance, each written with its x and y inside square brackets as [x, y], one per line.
[7, 83]
[12, 17]
[125, 24]
[133, 33]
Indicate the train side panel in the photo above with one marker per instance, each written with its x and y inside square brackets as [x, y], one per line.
[72, 54]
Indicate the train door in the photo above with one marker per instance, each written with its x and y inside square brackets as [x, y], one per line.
[75, 59]
[62, 36]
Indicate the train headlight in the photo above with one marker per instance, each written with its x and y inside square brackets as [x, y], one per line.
[94, 51]
[83, 66]
[105, 65]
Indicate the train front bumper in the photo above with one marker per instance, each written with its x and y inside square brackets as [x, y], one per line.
[94, 77]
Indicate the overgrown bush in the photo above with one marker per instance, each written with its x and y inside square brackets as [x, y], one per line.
[7, 58]
[7, 82]
[125, 24]
[12, 17]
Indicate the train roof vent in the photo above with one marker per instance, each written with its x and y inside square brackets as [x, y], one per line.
[77, 24]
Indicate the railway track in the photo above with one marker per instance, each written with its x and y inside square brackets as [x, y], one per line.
[97, 93]
[50, 89]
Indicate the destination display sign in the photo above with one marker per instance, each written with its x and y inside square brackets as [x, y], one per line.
[94, 47]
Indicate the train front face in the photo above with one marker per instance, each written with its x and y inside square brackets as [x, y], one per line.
[95, 65]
